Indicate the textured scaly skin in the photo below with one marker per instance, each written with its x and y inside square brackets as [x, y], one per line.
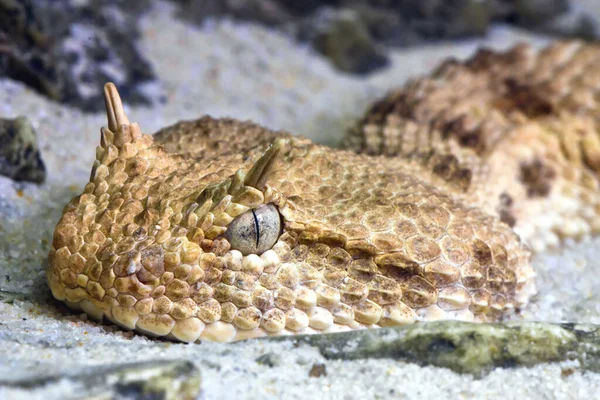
[515, 132]
[416, 229]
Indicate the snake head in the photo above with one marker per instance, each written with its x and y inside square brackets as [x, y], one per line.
[147, 244]
[223, 230]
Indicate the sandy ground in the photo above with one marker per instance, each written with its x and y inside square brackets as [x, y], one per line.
[248, 72]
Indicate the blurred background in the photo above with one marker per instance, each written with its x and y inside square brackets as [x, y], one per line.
[67, 49]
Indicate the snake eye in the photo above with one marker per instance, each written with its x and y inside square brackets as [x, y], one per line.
[255, 231]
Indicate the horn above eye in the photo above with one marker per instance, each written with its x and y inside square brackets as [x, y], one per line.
[255, 231]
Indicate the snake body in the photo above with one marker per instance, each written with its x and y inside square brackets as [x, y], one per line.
[428, 213]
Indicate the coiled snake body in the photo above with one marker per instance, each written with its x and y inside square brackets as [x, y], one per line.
[222, 230]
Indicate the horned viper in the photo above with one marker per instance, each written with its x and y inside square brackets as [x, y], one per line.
[218, 229]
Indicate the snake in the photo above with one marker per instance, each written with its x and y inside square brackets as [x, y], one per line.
[431, 208]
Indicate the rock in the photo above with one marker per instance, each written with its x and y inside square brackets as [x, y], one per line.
[466, 347]
[269, 359]
[342, 37]
[384, 26]
[10, 297]
[67, 50]
[532, 13]
[409, 23]
[317, 371]
[575, 24]
[145, 380]
[268, 12]
[306, 7]
[556, 17]
[20, 157]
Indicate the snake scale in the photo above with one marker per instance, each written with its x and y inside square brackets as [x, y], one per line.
[222, 230]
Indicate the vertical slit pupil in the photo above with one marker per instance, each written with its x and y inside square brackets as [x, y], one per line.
[257, 228]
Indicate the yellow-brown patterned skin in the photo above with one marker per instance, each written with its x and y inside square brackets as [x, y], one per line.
[411, 233]
[517, 133]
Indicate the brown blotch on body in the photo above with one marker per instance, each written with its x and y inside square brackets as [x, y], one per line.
[505, 211]
[537, 178]
[529, 99]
